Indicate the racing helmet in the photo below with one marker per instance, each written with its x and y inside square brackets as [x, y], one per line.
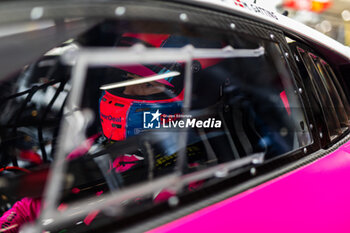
[123, 111]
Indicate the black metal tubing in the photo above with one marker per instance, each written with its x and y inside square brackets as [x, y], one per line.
[47, 110]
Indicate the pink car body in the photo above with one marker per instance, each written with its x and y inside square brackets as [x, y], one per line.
[313, 198]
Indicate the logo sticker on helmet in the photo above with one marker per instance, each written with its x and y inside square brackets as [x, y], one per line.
[111, 118]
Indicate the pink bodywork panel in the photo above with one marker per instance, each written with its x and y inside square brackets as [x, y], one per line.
[314, 198]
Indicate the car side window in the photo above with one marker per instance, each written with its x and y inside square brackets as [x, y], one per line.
[240, 106]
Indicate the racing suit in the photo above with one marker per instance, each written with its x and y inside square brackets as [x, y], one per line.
[23, 211]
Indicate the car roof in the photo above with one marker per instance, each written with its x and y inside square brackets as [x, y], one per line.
[254, 11]
[331, 50]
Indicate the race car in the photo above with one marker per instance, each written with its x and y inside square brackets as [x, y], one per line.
[166, 116]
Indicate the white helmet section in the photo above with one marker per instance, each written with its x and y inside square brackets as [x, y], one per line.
[251, 9]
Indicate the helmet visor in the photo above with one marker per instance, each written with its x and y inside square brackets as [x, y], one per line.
[144, 82]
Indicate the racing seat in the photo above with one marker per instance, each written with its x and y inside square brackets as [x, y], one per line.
[240, 119]
[207, 97]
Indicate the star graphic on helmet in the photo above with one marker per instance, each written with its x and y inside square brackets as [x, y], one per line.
[155, 115]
